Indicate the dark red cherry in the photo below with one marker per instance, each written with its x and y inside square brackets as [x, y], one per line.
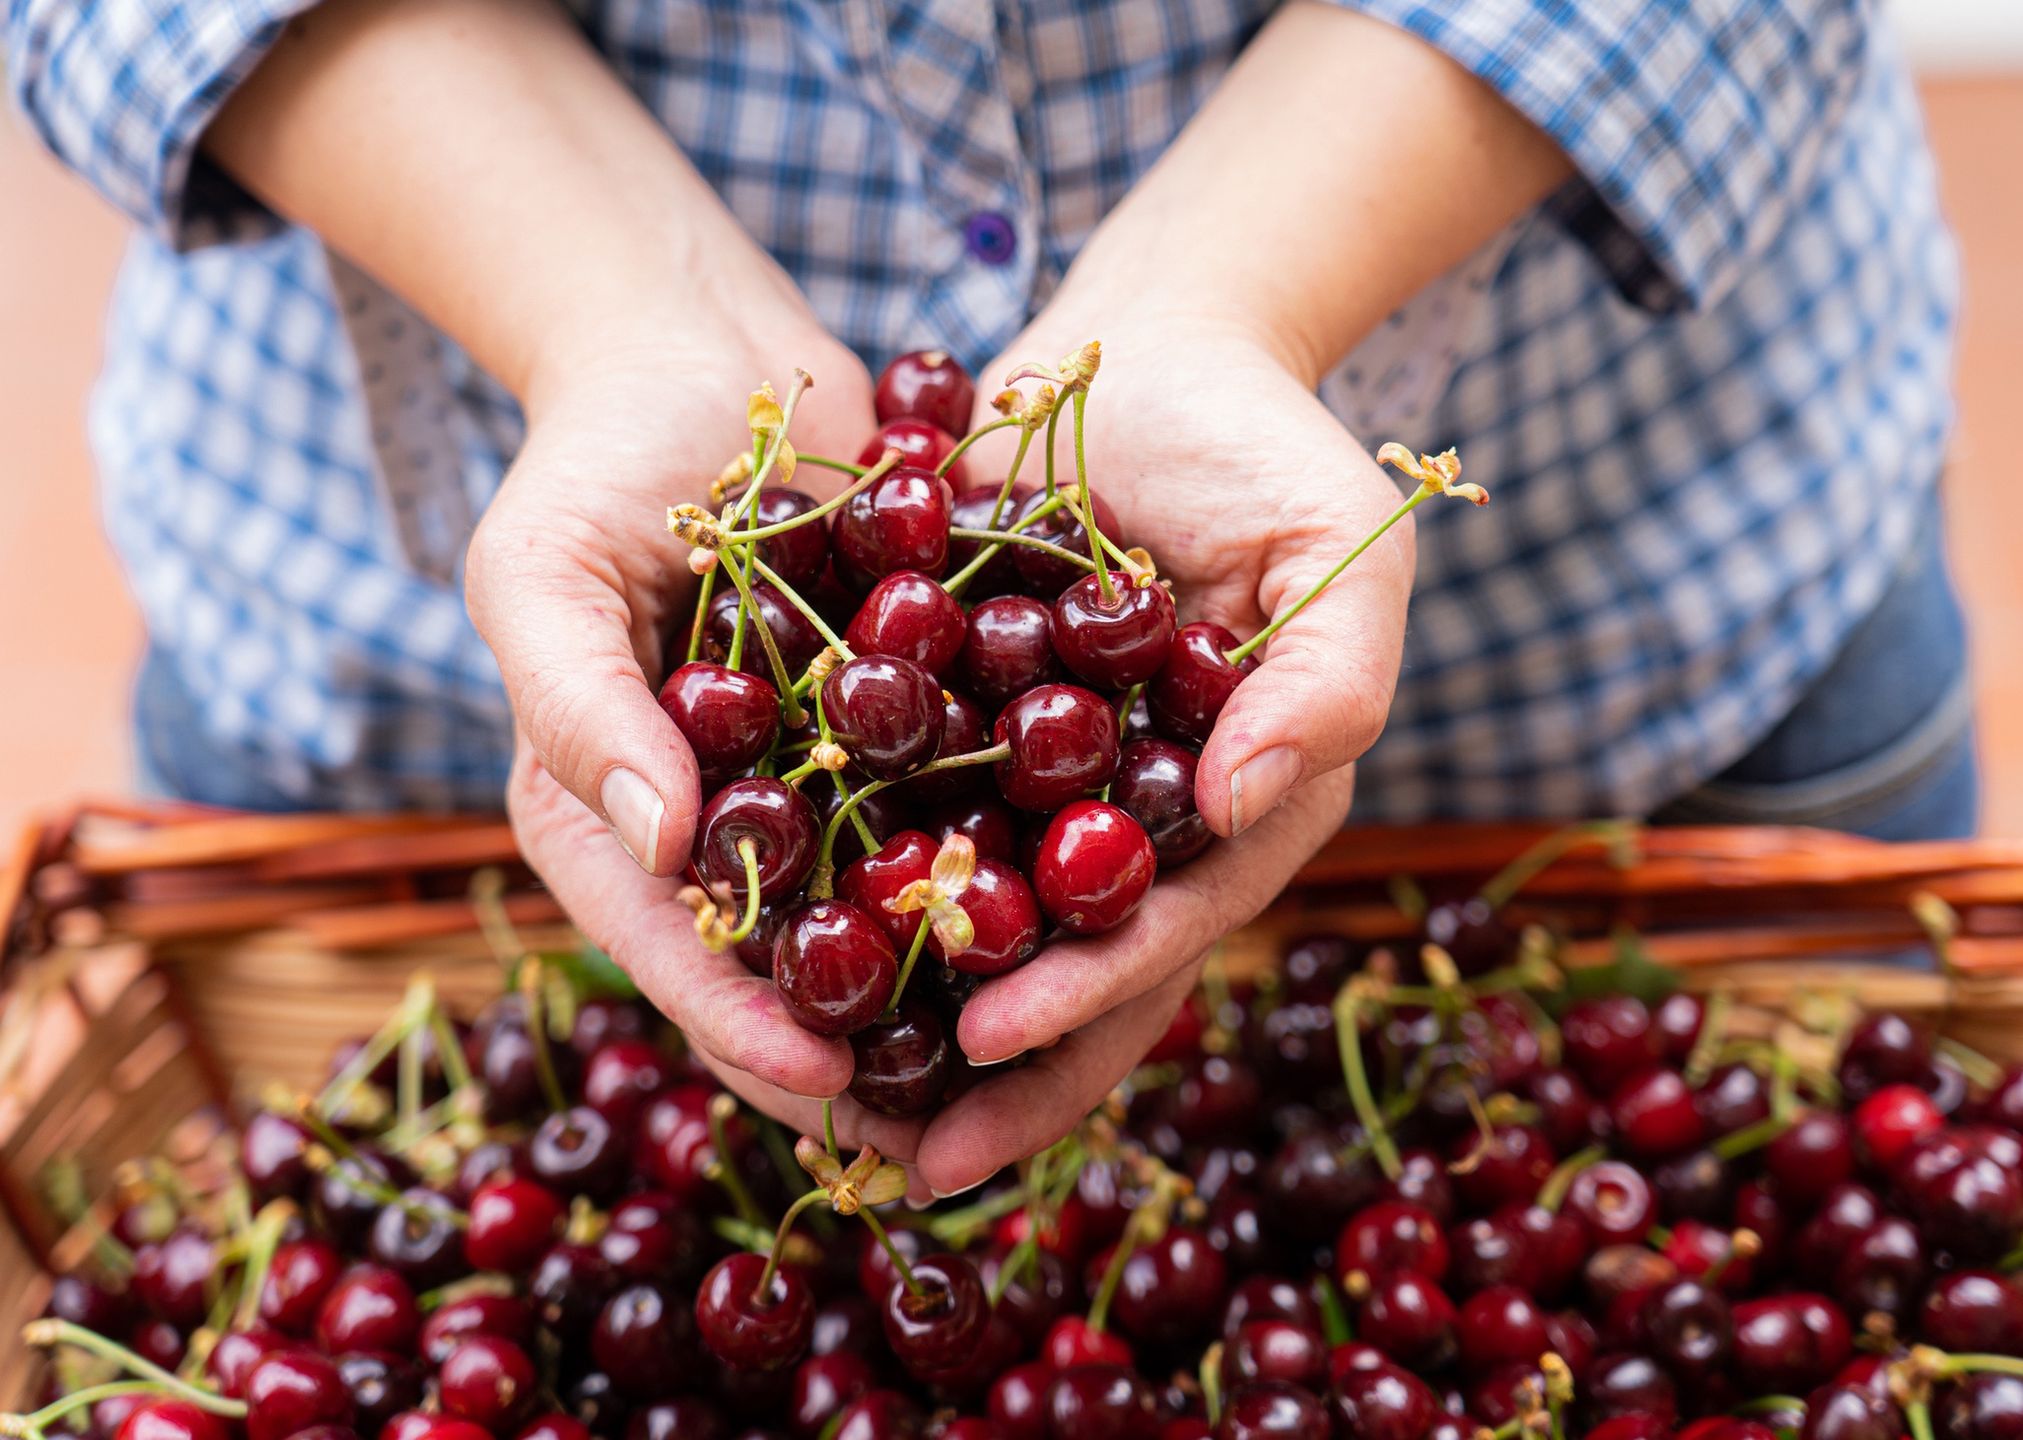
[1005, 916]
[902, 1063]
[1973, 1310]
[642, 1341]
[1689, 1327]
[1195, 682]
[935, 1329]
[621, 1076]
[1044, 575]
[1472, 933]
[1072, 1341]
[1609, 1038]
[729, 718]
[776, 818]
[600, 1021]
[169, 1419]
[287, 1391]
[1626, 1383]
[1095, 864]
[273, 1153]
[235, 1355]
[750, 1329]
[554, 1426]
[1653, 1114]
[419, 1238]
[1982, 1407]
[834, 967]
[1810, 1158]
[1269, 1409]
[921, 446]
[1423, 1181]
[1172, 1289]
[1008, 649]
[1063, 743]
[1382, 1402]
[988, 823]
[680, 1417]
[1155, 787]
[928, 385]
[369, 1308]
[800, 555]
[506, 1316]
[174, 1277]
[1733, 1097]
[1504, 1168]
[1884, 1271]
[301, 1274]
[884, 813]
[1851, 1412]
[159, 1343]
[1275, 1350]
[1489, 1250]
[487, 1381]
[569, 1286]
[512, 1224]
[1100, 1402]
[873, 882]
[795, 635]
[381, 1387]
[1786, 1344]
[1017, 1401]
[652, 1238]
[1408, 1317]
[965, 729]
[1614, 1201]
[1391, 1235]
[672, 1148]
[1567, 1113]
[822, 1386]
[1118, 642]
[886, 712]
[1891, 1120]
[973, 510]
[899, 523]
[908, 615]
[1884, 1048]
[1500, 1326]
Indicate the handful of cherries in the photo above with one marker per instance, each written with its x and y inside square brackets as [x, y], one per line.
[938, 718]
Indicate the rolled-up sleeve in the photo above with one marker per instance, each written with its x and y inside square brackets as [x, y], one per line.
[1695, 126]
[122, 90]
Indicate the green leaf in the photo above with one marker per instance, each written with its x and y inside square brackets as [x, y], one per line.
[1633, 972]
[592, 975]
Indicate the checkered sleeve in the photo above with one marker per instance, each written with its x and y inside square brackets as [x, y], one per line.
[1696, 126]
[122, 90]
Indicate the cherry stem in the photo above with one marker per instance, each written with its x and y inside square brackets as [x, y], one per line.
[824, 859]
[1211, 1384]
[970, 439]
[1113, 1276]
[723, 1167]
[1770, 1405]
[736, 656]
[65, 1332]
[828, 464]
[1542, 853]
[1947, 1367]
[748, 851]
[906, 967]
[829, 1130]
[532, 972]
[791, 712]
[1349, 1039]
[1743, 1244]
[703, 594]
[1004, 491]
[1978, 1068]
[898, 1260]
[780, 1242]
[1125, 705]
[864, 831]
[1053, 419]
[1552, 1194]
[261, 1244]
[2012, 1261]
[1737, 1143]
[865, 479]
[956, 583]
[1031, 542]
[1244, 651]
[793, 598]
[1918, 1415]
[1103, 585]
[1015, 1260]
[1707, 1044]
[369, 1057]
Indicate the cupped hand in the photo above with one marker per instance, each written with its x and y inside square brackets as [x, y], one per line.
[586, 600]
[1246, 491]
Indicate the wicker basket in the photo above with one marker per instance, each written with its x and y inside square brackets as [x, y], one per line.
[161, 961]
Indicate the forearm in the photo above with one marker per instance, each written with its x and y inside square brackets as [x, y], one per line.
[1341, 166]
[481, 161]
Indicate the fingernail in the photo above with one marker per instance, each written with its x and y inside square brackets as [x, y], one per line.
[1003, 1060]
[1260, 783]
[635, 812]
[916, 1206]
[951, 1194]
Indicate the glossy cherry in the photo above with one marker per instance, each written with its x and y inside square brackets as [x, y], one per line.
[899, 523]
[886, 712]
[506, 1316]
[1095, 864]
[487, 1381]
[989, 824]
[419, 1238]
[1008, 649]
[171, 1419]
[1690, 1329]
[1100, 1402]
[902, 1063]
[1614, 1201]
[381, 1386]
[300, 1275]
[1851, 1412]
[965, 729]
[1408, 1317]
[1005, 916]
[1890, 1121]
[1786, 1344]
[621, 1076]
[273, 1153]
[1653, 1114]
[1974, 1310]
[288, 1391]
[1382, 1402]
[1391, 1235]
[834, 967]
[174, 1277]
[1044, 575]
[793, 633]
[642, 1340]
[928, 385]
[1155, 787]
[1609, 1038]
[369, 1308]
[921, 446]
[884, 813]
[569, 1286]
[1063, 742]
[1810, 1158]
[779, 822]
[729, 718]
[798, 556]
[1269, 1409]
[512, 1224]
[1499, 1326]
[1119, 641]
[1196, 681]
[935, 1329]
[973, 509]
[909, 615]
[750, 1329]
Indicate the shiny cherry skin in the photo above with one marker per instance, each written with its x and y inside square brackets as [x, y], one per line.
[911, 616]
[744, 1328]
[965, 729]
[884, 813]
[369, 1308]
[621, 1076]
[288, 1391]
[569, 1286]
[654, 1239]
[173, 1277]
[1982, 1407]
[1118, 642]
[776, 818]
[1271, 1409]
[1884, 1048]
[1382, 1402]
[903, 1063]
[1787, 1344]
[642, 1338]
[936, 1329]
[1890, 1121]
[1884, 1270]
[1504, 1168]
[554, 1426]
[419, 1238]
[1653, 1114]
[300, 1275]
[1275, 1350]
[1614, 1201]
[159, 1343]
[1626, 1383]
[1005, 915]
[973, 510]
[578, 1151]
[1474, 936]
[1196, 681]
[874, 881]
[1974, 1311]
[1391, 1235]
[1408, 1317]
[1063, 743]
[1100, 1402]
[879, 1415]
[798, 556]
[678, 1417]
[171, 1419]
[928, 385]
[487, 1381]
[1499, 1326]
[886, 712]
[1609, 1038]
[1490, 1251]
[921, 446]
[381, 1386]
[822, 1386]
[899, 523]
[1072, 1341]
[1095, 864]
[274, 1154]
[1043, 575]
[795, 635]
[729, 718]
[1567, 1113]
[1851, 1412]
[1810, 1158]
[1017, 1401]
[834, 967]
[506, 1316]
[1690, 1328]
[1008, 649]
[988, 823]
[1155, 787]
[512, 1224]
[1172, 1289]
[1733, 1096]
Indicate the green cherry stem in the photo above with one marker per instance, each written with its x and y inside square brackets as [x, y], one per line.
[1552, 1194]
[1349, 1039]
[1103, 585]
[748, 851]
[829, 1129]
[970, 439]
[828, 464]
[1210, 1376]
[1539, 856]
[261, 1244]
[703, 592]
[956, 583]
[723, 1167]
[898, 1260]
[1053, 420]
[1125, 705]
[906, 966]
[736, 658]
[1770, 1405]
[1004, 491]
[1031, 542]
[780, 1242]
[934, 767]
[793, 598]
[1113, 1276]
[1014, 1261]
[864, 831]
[42, 1333]
[791, 712]
[865, 479]
[532, 973]
[1918, 1415]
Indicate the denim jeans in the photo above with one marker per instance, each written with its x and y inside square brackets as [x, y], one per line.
[1883, 743]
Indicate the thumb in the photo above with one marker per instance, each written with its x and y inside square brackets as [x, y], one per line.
[551, 605]
[1319, 698]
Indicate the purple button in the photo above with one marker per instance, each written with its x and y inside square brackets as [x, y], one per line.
[990, 237]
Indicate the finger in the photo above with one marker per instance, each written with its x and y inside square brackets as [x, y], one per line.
[1071, 983]
[722, 1007]
[1020, 1113]
[894, 1137]
[1320, 697]
[551, 602]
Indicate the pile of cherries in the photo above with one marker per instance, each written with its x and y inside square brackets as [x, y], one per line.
[936, 716]
[1363, 1198]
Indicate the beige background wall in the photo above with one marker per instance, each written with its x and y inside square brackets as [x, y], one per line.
[68, 634]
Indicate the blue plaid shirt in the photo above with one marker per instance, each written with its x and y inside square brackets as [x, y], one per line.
[1707, 381]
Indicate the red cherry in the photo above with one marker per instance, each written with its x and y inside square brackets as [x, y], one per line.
[274, 1154]
[554, 1427]
[1063, 743]
[910, 616]
[776, 818]
[1408, 1317]
[822, 1386]
[512, 1224]
[173, 1276]
[998, 575]
[936, 1329]
[988, 824]
[1095, 865]
[1891, 1120]
[921, 446]
[834, 967]
[1100, 1402]
[1614, 1201]
[873, 882]
[301, 1274]
[1275, 1350]
[488, 1381]
[1041, 574]
[1608, 1039]
[1654, 1115]
[965, 729]
[928, 385]
[745, 1328]
[1119, 642]
[730, 719]
[235, 1355]
[621, 1076]
[1195, 682]
[884, 813]
[370, 1308]
[1382, 1402]
[793, 633]
[507, 1317]
[886, 712]
[1009, 649]
[1500, 1326]
[800, 555]
[899, 523]
[288, 1391]
[1073, 1341]
[1005, 916]
[1155, 787]
[902, 1063]
[1391, 1235]
[1018, 1401]
[417, 1425]
[1810, 1158]
[171, 1420]
[673, 1147]
[642, 1337]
